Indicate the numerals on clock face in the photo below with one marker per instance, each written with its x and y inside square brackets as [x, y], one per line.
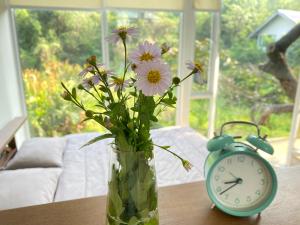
[240, 181]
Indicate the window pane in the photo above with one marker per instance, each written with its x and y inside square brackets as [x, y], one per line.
[53, 45]
[199, 115]
[202, 50]
[159, 27]
[246, 90]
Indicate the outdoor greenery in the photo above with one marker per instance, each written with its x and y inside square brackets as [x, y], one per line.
[53, 45]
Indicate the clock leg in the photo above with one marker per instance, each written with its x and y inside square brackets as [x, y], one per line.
[212, 206]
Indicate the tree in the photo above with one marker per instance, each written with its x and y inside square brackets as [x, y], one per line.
[278, 67]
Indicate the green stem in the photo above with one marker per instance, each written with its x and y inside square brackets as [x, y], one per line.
[106, 85]
[92, 95]
[125, 63]
[166, 149]
[96, 91]
[164, 95]
[74, 100]
[190, 74]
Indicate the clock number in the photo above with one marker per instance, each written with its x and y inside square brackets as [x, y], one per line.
[226, 196]
[248, 199]
[262, 181]
[217, 177]
[221, 169]
[241, 158]
[257, 192]
[237, 201]
[229, 161]
[252, 163]
[219, 189]
[259, 171]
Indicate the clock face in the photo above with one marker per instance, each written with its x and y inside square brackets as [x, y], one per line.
[241, 182]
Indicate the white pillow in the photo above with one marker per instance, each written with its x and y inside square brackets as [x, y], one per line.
[39, 152]
[27, 187]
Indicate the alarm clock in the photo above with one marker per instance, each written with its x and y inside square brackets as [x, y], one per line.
[238, 180]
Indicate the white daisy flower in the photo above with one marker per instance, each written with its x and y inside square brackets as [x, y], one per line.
[95, 79]
[146, 52]
[121, 34]
[85, 71]
[88, 69]
[118, 83]
[196, 68]
[153, 78]
[87, 83]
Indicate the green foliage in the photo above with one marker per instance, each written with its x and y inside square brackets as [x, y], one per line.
[132, 197]
[47, 112]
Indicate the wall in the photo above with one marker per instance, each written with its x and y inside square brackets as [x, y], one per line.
[278, 27]
[11, 96]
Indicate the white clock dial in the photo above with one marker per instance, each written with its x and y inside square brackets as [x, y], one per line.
[241, 182]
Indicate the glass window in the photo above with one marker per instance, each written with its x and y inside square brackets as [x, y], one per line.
[202, 50]
[245, 91]
[199, 109]
[53, 45]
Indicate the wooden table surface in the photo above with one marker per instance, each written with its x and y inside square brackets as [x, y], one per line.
[186, 204]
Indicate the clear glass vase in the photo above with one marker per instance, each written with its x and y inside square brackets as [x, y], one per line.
[132, 194]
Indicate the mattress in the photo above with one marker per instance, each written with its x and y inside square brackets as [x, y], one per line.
[85, 171]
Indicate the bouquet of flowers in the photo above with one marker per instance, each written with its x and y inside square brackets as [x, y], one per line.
[126, 105]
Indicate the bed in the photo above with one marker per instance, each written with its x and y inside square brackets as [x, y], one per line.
[84, 172]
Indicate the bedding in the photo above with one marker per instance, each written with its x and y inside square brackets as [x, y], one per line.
[25, 187]
[39, 152]
[85, 171]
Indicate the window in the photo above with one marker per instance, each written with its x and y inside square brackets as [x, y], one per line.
[53, 45]
[246, 92]
[199, 105]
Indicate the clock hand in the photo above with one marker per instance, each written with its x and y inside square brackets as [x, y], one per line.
[227, 189]
[230, 182]
[237, 181]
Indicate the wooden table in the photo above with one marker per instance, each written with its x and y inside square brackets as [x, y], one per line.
[186, 204]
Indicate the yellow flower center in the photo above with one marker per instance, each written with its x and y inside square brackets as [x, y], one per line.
[118, 81]
[153, 76]
[122, 32]
[199, 67]
[146, 57]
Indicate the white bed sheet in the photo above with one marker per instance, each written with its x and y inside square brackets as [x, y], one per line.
[85, 171]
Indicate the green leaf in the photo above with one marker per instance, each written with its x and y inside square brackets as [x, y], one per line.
[154, 119]
[102, 88]
[133, 221]
[74, 92]
[99, 138]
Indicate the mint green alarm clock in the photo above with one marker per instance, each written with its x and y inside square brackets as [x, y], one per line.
[238, 180]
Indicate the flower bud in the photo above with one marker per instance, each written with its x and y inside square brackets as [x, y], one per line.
[80, 87]
[187, 165]
[133, 67]
[176, 80]
[164, 48]
[107, 123]
[65, 95]
[92, 60]
[89, 113]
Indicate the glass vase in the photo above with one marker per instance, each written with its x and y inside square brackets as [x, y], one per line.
[132, 193]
